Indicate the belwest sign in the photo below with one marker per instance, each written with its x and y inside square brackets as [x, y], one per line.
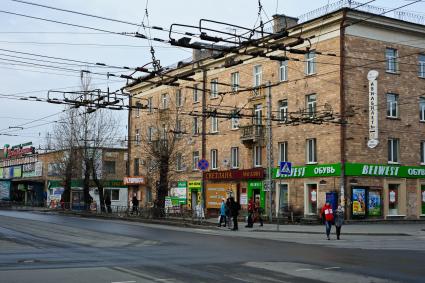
[257, 173]
[378, 170]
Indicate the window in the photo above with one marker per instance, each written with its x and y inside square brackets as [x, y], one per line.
[283, 151]
[421, 66]
[422, 109]
[179, 162]
[311, 151]
[164, 132]
[109, 167]
[257, 156]
[234, 157]
[178, 130]
[283, 71]
[393, 192]
[179, 98]
[195, 93]
[310, 63]
[234, 77]
[235, 123]
[150, 134]
[150, 105]
[258, 114]
[137, 137]
[195, 160]
[283, 110]
[258, 74]
[164, 101]
[392, 105]
[214, 88]
[138, 107]
[195, 126]
[214, 124]
[311, 105]
[391, 59]
[393, 150]
[423, 152]
[136, 166]
[114, 194]
[214, 157]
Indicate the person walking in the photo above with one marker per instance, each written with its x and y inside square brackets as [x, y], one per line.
[135, 203]
[327, 217]
[339, 220]
[222, 213]
[251, 206]
[108, 203]
[258, 211]
[234, 207]
[229, 213]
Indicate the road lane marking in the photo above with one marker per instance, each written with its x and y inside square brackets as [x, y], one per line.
[123, 282]
[333, 267]
[304, 269]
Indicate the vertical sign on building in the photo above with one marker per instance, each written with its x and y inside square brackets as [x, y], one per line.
[373, 109]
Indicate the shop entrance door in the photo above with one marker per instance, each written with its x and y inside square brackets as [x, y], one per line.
[257, 194]
[283, 198]
[194, 200]
[77, 200]
[311, 198]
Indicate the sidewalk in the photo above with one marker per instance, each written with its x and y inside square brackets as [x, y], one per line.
[373, 229]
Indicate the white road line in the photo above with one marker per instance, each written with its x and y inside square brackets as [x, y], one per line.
[333, 267]
[124, 282]
[303, 269]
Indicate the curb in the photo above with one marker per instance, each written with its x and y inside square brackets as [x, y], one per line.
[346, 233]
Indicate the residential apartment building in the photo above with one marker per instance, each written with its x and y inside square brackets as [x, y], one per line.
[37, 178]
[347, 108]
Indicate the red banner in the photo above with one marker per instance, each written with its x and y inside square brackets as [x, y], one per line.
[246, 174]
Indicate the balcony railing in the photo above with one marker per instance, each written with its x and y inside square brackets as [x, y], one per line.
[252, 133]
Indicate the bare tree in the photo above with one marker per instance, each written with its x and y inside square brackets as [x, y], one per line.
[164, 147]
[83, 133]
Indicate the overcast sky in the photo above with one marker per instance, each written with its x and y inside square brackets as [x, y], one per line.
[52, 39]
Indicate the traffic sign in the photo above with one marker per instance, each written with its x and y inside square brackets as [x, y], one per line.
[203, 164]
[285, 168]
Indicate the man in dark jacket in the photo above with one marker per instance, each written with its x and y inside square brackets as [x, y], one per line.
[250, 213]
[135, 203]
[234, 207]
[108, 203]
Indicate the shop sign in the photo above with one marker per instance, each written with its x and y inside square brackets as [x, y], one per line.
[139, 180]
[18, 161]
[32, 170]
[373, 108]
[79, 183]
[358, 169]
[216, 192]
[359, 207]
[180, 192]
[423, 199]
[257, 173]
[194, 184]
[17, 172]
[17, 150]
[244, 199]
[325, 170]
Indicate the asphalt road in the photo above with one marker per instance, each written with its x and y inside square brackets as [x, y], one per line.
[39, 247]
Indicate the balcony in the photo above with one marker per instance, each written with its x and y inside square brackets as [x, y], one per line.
[251, 134]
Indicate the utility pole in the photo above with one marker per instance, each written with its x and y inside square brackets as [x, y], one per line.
[204, 131]
[269, 148]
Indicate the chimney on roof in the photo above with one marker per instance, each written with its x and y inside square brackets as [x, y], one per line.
[283, 22]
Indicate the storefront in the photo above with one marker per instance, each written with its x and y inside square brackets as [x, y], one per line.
[313, 184]
[137, 187]
[386, 191]
[194, 193]
[178, 191]
[240, 184]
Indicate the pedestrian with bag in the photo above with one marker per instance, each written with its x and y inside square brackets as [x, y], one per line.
[222, 217]
[250, 219]
[339, 220]
[258, 211]
[328, 218]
